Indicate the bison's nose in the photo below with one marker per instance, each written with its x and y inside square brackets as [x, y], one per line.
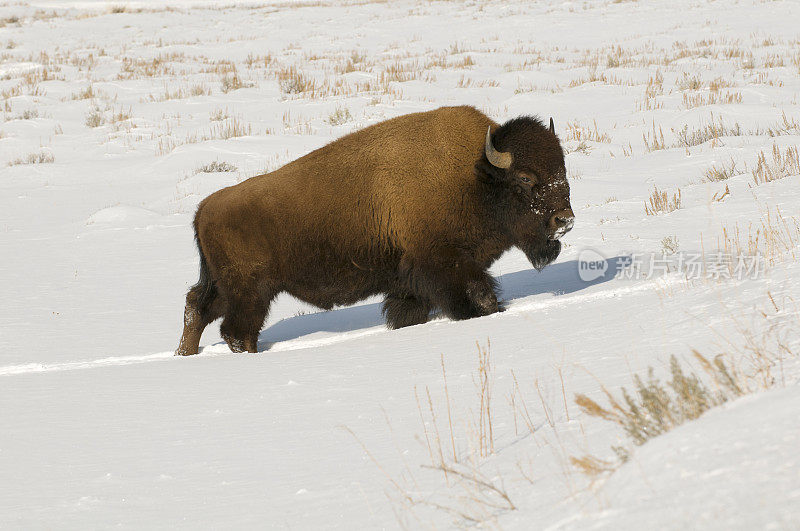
[562, 222]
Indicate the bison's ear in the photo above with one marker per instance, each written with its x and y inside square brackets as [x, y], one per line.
[552, 126]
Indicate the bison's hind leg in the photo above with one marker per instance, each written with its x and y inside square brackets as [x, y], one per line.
[204, 304]
[405, 310]
[244, 316]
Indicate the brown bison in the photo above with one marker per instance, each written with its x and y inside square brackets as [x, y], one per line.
[415, 208]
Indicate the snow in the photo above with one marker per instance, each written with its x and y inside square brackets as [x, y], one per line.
[101, 426]
[752, 473]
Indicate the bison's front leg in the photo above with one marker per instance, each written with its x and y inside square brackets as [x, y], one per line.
[403, 310]
[473, 298]
[457, 285]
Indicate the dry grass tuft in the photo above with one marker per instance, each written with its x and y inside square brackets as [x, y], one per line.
[711, 98]
[94, 119]
[661, 203]
[471, 497]
[655, 408]
[782, 165]
[165, 145]
[773, 239]
[230, 128]
[484, 387]
[42, 157]
[669, 244]
[712, 131]
[592, 466]
[340, 116]
[722, 172]
[577, 132]
[656, 141]
[85, 94]
[753, 363]
[218, 114]
[216, 167]
[687, 82]
[136, 68]
[581, 147]
[233, 82]
[291, 81]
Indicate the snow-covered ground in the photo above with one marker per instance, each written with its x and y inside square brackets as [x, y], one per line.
[112, 114]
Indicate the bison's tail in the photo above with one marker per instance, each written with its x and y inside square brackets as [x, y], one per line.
[205, 289]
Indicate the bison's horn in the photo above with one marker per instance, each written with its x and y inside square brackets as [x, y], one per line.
[552, 126]
[500, 159]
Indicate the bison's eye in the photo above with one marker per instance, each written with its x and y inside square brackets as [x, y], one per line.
[527, 178]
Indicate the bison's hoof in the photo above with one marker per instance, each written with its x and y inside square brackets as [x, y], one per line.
[236, 345]
[185, 347]
[483, 298]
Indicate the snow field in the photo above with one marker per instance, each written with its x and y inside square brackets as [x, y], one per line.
[118, 118]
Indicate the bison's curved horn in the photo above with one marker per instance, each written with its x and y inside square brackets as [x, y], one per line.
[552, 126]
[499, 159]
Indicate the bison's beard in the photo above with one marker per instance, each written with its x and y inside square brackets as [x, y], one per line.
[542, 253]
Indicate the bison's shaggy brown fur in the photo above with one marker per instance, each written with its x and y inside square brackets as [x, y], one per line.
[414, 208]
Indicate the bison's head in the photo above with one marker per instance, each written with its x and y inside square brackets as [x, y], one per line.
[524, 164]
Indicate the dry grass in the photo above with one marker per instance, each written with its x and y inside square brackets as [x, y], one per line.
[722, 172]
[340, 116]
[655, 141]
[233, 82]
[230, 128]
[654, 408]
[773, 239]
[291, 81]
[712, 131]
[399, 72]
[782, 165]
[85, 94]
[575, 131]
[471, 497]
[581, 147]
[198, 89]
[41, 157]
[216, 167]
[296, 124]
[661, 203]
[484, 387]
[669, 244]
[165, 145]
[218, 114]
[136, 68]
[96, 117]
[750, 363]
[787, 126]
[688, 82]
[27, 114]
[719, 83]
[711, 98]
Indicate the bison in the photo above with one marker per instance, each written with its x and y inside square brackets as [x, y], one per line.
[415, 208]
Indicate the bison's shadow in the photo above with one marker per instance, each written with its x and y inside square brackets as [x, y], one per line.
[560, 278]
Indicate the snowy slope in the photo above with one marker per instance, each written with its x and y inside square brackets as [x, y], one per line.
[101, 426]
